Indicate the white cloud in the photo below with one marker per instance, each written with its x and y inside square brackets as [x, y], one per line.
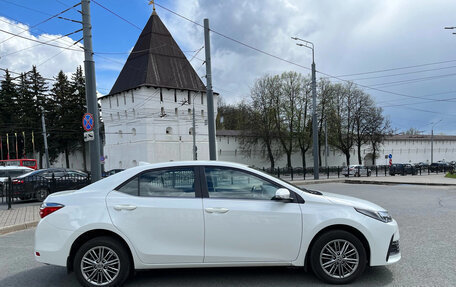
[49, 60]
[350, 36]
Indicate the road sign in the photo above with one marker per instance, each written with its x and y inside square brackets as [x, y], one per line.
[89, 136]
[390, 162]
[87, 122]
[390, 156]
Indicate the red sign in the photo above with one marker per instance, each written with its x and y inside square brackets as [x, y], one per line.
[390, 161]
[88, 122]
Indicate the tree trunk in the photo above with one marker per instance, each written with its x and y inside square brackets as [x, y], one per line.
[347, 157]
[84, 160]
[374, 152]
[67, 157]
[303, 155]
[360, 161]
[289, 159]
[271, 156]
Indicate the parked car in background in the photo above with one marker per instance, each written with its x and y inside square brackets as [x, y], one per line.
[210, 214]
[112, 171]
[440, 167]
[40, 183]
[356, 170]
[11, 172]
[421, 165]
[402, 169]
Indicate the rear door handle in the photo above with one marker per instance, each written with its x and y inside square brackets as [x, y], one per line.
[216, 210]
[124, 207]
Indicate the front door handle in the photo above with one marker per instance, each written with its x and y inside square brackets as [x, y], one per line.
[216, 210]
[124, 207]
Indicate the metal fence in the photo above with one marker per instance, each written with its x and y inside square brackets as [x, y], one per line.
[299, 173]
[38, 187]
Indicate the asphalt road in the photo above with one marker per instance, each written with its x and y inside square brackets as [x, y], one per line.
[426, 217]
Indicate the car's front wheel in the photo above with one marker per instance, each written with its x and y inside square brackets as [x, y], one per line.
[102, 261]
[338, 257]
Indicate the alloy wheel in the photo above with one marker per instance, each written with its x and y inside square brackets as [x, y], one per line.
[100, 265]
[339, 258]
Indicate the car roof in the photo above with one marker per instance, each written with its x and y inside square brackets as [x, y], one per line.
[15, 167]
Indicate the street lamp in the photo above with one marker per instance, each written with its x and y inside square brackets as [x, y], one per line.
[310, 45]
[432, 140]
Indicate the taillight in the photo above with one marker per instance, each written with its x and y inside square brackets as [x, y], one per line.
[48, 208]
[17, 181]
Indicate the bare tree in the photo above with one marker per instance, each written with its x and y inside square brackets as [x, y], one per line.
[287, 93]
[262, 119]
[325, 90]
[341, 121]
[304, 122]
[378, 128]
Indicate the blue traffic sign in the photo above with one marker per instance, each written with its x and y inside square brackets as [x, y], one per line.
[87, 122]
[390, 156]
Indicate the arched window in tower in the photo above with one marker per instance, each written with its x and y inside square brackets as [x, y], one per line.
[134, 113]
[176, 111]
[120, 164]
[169, 130]
[133, 131]
[190, 131]
[202, 98]
[189, 97]
[132, 97]
[134, 162]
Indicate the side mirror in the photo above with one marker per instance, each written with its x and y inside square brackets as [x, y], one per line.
[283, 194]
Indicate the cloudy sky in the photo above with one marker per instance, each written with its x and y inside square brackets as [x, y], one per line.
[397, 50]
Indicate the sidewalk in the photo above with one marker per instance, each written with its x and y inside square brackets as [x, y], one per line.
[19, 218]
[432, 179]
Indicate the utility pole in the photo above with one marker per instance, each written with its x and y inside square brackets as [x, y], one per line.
[210, 95]
[195, 156]
[326, 145]
[46, 150]
[310, 45]
[432, 140]
[91, 92]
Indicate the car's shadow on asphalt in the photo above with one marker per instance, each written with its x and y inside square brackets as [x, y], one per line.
[250, 276]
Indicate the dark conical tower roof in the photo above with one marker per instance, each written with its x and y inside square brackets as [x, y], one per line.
[157, 61]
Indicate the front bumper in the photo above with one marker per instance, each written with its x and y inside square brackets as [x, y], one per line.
[385, 248]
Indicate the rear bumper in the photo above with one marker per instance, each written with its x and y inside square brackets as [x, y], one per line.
[52, 244]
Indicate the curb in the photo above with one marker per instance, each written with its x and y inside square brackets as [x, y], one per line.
[18, 227]
[316, 181]
[395, 182]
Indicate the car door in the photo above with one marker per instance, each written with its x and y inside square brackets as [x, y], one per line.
[160, 211]
[243, 223]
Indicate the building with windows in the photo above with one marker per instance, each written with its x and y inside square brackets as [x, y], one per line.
[148, 113]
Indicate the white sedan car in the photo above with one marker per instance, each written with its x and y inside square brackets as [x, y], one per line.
[209, 214]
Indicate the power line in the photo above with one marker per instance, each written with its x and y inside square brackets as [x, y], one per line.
[41, 42]
[415, 80]
[44, 21]
[18, 51]
[293, 63]
[399, 68]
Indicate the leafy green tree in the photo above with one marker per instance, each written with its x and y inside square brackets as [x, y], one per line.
[8, 107]
[38, 90]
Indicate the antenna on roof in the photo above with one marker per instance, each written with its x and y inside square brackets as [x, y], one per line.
[153, 6]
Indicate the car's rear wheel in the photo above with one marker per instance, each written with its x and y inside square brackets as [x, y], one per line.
[102, 261]
[41, 194]
[338, 257]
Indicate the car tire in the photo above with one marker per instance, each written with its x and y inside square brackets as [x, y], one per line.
[110, 249]
[338, 268]
[41, 194]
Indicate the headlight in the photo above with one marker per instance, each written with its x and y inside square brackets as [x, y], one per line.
[379, 215]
